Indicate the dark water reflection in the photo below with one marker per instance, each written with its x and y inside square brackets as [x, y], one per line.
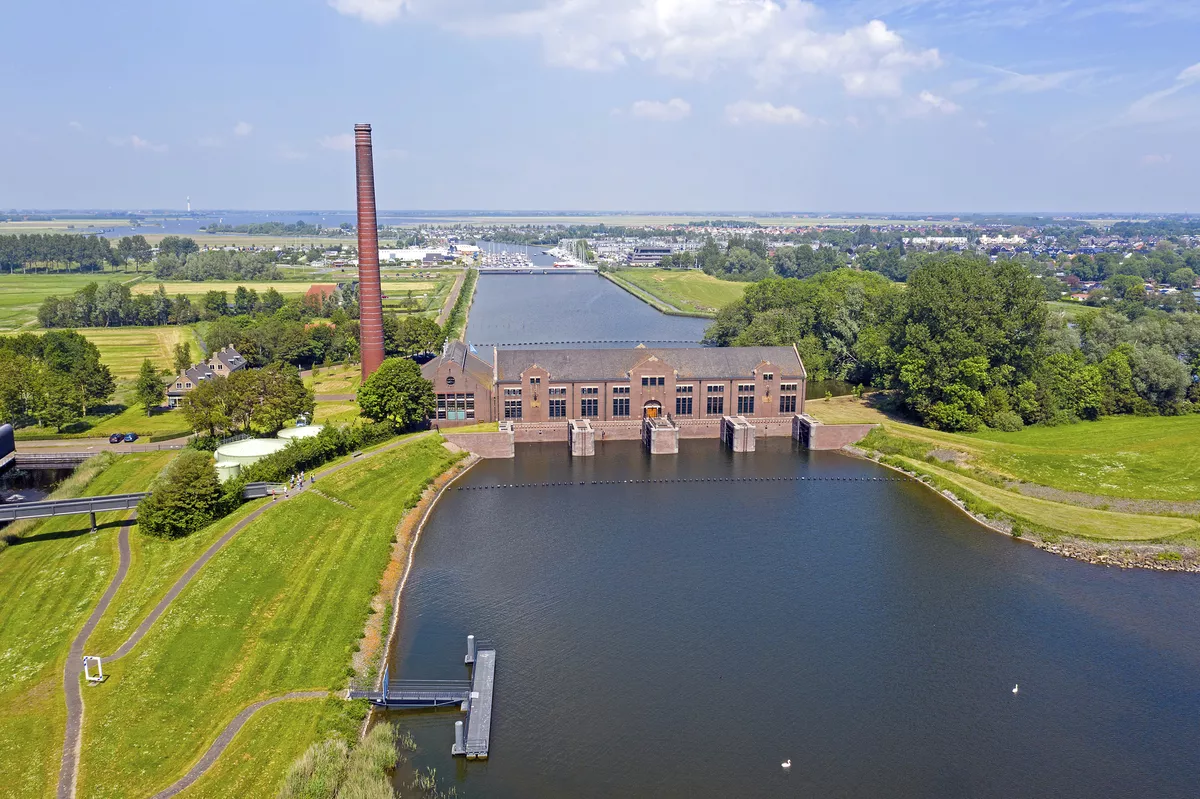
[681, 639]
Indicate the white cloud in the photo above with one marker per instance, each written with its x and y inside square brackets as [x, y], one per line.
[377, 11]
[771, 40]
[748, 113]
[1046, 81]
[927, 101]
[1155, 159]
[670, 111]
[243, 129]
[136, 142]
[1151, 107]
[338, 141]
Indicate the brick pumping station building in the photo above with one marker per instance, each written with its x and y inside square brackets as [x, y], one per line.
[579, 396]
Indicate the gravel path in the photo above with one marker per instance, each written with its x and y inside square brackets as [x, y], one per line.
[227, 736]
[73, 672]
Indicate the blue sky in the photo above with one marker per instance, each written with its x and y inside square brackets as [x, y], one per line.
[868, 105]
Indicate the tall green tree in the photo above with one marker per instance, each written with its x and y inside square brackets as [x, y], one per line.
[398, 394]
[149, 387]
[967, 326]
[187, 497]
[182, 356]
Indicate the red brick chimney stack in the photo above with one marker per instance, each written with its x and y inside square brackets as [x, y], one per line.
[370, 295]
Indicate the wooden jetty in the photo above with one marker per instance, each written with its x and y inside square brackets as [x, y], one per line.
[474, 697]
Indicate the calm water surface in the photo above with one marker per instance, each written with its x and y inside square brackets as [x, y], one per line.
[681, 639]
[522, 309]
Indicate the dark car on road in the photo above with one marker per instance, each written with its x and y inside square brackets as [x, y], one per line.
[116, 438]
[130, 438]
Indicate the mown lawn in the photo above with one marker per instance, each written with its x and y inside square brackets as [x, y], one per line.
[336, 413]
[51, 581]
[690, 290]
[259, 757]
[280, 609]
[129, 420]
[335, 379]
[1120, 456]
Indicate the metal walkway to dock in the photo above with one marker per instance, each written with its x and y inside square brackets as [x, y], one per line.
[471, 739]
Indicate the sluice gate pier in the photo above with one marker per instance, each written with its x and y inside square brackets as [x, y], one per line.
[474, 697]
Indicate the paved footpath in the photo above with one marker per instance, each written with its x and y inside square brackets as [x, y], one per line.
[227, 736]
[73, 673]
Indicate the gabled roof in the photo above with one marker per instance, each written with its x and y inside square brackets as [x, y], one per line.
[615, 364]
[457, 352]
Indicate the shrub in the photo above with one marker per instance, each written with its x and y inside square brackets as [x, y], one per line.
[1007, 422]
[185, 498]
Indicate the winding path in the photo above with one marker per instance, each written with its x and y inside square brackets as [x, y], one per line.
[226, 737]
[73, 672]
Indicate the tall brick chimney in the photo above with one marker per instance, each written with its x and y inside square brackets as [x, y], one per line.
[370, 295]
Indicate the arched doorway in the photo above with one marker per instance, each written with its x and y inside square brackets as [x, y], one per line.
[652, 409]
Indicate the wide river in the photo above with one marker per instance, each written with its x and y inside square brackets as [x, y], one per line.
[681, 639]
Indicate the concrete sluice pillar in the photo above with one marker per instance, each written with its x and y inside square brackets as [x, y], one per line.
[737, 433]
[660, 435]
[581, 438]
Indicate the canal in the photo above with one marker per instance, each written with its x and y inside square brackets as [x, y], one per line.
[681, 639]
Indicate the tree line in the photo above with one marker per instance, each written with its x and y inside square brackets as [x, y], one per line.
[968, 342]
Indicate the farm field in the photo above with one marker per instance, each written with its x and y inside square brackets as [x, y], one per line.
[1131, 457]
[122, 349]
[22, 295]
[690, 290]
[52, 579]
[204, 660]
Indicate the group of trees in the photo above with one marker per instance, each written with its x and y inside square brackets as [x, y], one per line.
[114, 305]
[1165, 264]
[969, 342]
[248, 401]
[51, 379]
[30, 249]
[216, 265]
[300, 228]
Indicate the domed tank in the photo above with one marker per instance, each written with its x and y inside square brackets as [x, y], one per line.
[307, 431]
[228, 470]
[249, 451]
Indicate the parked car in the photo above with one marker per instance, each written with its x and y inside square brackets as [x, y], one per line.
[116, 438]
[130, 438]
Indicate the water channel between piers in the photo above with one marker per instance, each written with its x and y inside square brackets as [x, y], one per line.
[682, 639]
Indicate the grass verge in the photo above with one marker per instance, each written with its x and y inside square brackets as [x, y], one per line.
[281, 608]
[689, 292]
[53, 577]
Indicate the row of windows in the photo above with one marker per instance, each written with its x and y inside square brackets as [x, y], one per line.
[449, 404]
[654, 381]
[745, 388]
[789, 386]
[558, 392]
[684, 389]
[718, 389]
[456, 407]
[620, 391]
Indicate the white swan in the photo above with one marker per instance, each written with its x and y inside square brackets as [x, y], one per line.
[1015, 687]
[786, 764]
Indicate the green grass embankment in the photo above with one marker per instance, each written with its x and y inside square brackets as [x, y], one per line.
[1111, 480]
[679, 293]
[52, 578]
[281, 608]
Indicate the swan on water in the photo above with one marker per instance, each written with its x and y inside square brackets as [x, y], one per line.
[1015, 687]
[786, 764]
